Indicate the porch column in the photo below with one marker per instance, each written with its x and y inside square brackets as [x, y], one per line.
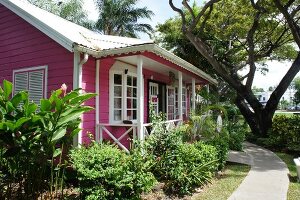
[140, 99]
[193, 94]
[97, 110]
[180, 95]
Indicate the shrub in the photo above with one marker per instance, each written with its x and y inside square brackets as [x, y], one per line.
[221, 144]
[285, 132]
[33, 136]
[107, 172]
[237, 135]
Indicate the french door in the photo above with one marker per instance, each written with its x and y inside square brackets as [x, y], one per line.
[153, 96]
[171, 103]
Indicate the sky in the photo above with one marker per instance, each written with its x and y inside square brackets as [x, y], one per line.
[163, 11]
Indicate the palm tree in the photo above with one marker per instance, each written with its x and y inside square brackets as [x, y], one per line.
[120, 17]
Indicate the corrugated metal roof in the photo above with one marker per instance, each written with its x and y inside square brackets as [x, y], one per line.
[74, 37]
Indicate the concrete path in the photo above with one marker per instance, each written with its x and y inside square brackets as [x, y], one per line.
[267, 179]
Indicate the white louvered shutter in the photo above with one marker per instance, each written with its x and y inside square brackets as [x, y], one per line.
[21, 82]
[36, 86]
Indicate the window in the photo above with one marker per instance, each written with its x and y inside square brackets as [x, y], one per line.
[32, 80]
[124, 95]
[183, 101]
[171, 103]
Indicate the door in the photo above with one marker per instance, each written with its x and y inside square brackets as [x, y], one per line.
[154, 96]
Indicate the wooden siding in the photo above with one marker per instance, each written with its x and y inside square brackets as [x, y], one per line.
[23, 46]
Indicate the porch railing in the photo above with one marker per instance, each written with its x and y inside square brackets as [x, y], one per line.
[103, 128]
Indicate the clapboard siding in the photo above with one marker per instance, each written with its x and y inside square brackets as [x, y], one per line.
[23, 46]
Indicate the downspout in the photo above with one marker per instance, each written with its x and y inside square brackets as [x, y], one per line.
[81, 63]
[97, 86]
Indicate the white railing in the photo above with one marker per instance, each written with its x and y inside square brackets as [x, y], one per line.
[102, 128]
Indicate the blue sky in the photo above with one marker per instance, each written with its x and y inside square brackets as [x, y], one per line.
[163, 12]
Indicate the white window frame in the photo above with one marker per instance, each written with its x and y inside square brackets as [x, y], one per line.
[119, 68]
[174, 113]
[30, 69]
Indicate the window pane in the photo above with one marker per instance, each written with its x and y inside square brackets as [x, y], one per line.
[118, 79]
[129, 114]
[134, 92]
[134, 103]
[134, 114]
[129, 80]
[117, 115]
[117, 103]
[118, 91]
[129, 91]
[129, 103]
[134, 81]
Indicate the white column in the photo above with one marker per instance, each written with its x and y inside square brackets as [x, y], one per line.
[140, 99]
[207, 87]
[180, 95]
[193, 94]
[97, 106]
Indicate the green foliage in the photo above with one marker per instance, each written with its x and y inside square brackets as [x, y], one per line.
[237, 135]
[107, 172]
[221, 144]
[33, 136]
[125, 18]
[180, 165]
[285, 133]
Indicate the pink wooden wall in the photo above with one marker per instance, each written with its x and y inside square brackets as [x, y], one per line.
[22, 46]
[88, 85]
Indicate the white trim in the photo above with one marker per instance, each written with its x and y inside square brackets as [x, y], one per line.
[180, 95]
[97, 106]
[140, 99]
[44, 67]
[148, 48]
[193, 95]
[119, 68]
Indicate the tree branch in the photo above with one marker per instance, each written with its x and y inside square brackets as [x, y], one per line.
[181, 14]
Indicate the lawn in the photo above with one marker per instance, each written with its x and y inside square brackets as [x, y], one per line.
[223, 186]
[294, 187]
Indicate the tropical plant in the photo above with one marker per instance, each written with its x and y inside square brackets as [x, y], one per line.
[33, 138]
[237, 34]
[121, 18]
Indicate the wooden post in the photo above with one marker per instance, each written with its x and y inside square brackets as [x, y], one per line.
[140, 99]
[180, 96]
[193, 95]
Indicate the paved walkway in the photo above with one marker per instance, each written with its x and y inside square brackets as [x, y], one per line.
[267, 179]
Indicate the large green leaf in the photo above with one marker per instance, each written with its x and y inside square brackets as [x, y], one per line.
[20, 122]
[31, 108]
[45, 105]
[20, 96]
[61, 132]
[57, 152]
[7, 89]
[83, 97]
[72, 116]
[70, 95]
[9, 107]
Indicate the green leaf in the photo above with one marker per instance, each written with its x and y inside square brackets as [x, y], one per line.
[75, 132]
[83, 97]
[31, 108]
[9, 107]
[16, 99]
[7, 89]
[61, 132]
[55, 94]
[70, 95]
[20, 122]
[45, 105]
[72, 116]
[57, 152]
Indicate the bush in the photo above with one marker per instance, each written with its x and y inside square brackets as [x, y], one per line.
[221, 144]
[33, 136]
[107, 172]
[237, 135]
[285, 133]
[180, 165]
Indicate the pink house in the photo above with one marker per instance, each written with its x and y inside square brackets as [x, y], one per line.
[40, 51]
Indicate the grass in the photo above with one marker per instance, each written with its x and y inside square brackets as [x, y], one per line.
[222, 187]
[294, 187]
[287, 114]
